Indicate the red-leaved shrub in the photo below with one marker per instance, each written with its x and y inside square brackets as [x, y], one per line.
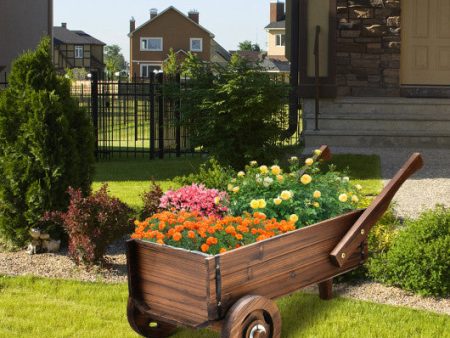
[93, 223]
[151, 201]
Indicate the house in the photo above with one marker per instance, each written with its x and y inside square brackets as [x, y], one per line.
[77, 49]
[383, 71]
[276, 60]
[151, 42]
[23, 24]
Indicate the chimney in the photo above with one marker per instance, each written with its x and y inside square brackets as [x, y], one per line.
[276, 11]
[153, 13]
[132, 25]
[194, 15]
[64, 25]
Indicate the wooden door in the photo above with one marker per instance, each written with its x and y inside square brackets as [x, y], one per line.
[425, 58]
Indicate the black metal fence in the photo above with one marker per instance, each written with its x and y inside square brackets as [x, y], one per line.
[3, 81]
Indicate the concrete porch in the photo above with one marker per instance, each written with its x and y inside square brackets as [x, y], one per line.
[379, 122]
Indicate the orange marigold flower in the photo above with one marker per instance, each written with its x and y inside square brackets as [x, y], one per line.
[160, 241]
[205, 247]
[238, 246]
[162, 225]
[211, 241]
[177, 236]
[223, 250]
[254, 231]
[239, 237]
[191, 234]
[230, 230]
[211, 230]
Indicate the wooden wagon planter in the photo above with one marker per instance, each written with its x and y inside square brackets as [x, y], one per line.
[233, 291]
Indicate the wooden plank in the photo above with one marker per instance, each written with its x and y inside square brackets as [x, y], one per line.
[253, 254]
[360, 230]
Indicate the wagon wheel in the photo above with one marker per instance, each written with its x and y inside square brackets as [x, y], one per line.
[252, 317]
[145, 325]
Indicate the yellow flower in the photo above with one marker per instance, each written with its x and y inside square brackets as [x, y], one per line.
[293, 218]
[263, 169]
[306, 179]
[343, 197]
[241, 174]
[317, 194]
[262, 204]
[276, 170]
[280, 178]
[309, 161]
[254, 204]
[230, 187]
[236, 190]
[317, 152]
[253, 163]
[316, 204]
[286, 195]
[277, 201]
[358, 186]
[355, 199]
[217, 200]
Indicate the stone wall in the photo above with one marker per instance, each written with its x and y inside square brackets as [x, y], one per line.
[368, 47]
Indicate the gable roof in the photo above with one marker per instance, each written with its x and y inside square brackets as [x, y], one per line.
[277, 25]
[164, 12]
[63, 35]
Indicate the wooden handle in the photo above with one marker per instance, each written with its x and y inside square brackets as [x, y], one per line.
[325, 155]
[360, 230]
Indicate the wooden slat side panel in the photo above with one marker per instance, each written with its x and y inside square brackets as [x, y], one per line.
[171, 283]
[257, 253]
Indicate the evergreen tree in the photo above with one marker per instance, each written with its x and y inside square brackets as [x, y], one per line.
[46, 144]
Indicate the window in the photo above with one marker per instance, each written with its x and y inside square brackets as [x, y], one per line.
[196, 44]
[146, 70]
[280, 40]
[79, 52]
[152, 44]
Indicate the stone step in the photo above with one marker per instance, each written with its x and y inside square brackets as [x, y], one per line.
[385, 105]
[381, 139]
[378, 122]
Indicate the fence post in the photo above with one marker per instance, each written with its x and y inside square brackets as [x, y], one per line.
[94, 105]
[152, 116]
[160, 79]
[178, 116]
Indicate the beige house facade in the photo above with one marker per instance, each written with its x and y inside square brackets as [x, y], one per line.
[384, 70]
[22, 25]
[151, 42]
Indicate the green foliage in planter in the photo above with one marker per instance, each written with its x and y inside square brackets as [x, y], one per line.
[211, 174]
[311, 197]
[419, 258]
[46, 144]
[233, 111]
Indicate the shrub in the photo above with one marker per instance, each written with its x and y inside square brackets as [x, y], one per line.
[151, 201]
[211, 174]
[46, 144]
[207, 202]
[210, 235]
[93, 223]
[419, 258]
[233, 111]
[306, 198]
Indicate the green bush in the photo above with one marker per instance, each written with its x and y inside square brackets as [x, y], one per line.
[211, 174]
[419, 257]
[46, 144]
[233, 111]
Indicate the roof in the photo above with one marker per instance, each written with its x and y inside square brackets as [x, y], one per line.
[222, 51]
[164, 12]
[63, 35]
[252, 56]
[275, 65]
[277, 25]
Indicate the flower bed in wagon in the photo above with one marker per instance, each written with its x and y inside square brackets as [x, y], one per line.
[261, 202]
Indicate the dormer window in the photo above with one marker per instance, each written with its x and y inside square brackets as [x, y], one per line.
[152, 44]
[79, 52]
[196, 44]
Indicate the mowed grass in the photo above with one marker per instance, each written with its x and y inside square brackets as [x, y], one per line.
[35, 307]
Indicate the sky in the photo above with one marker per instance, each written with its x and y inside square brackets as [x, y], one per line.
[231, 21]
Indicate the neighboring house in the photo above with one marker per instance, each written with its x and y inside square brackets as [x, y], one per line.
[77, 49]
[22, 25]
[276, 60]
[151, 42]
[384, 71]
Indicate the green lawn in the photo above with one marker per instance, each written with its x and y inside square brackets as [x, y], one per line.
[35, 307]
